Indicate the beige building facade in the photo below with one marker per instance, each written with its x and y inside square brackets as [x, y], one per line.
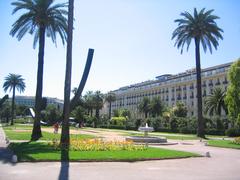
[171, 89]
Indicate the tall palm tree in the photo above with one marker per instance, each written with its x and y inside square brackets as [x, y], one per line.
[13, 82]
[65, 139]
[144, 106]
[214, 103]
[110, 97]
[41, 18]
[202, 28]
[98, 102]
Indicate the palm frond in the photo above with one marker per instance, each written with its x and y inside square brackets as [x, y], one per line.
[201, 25]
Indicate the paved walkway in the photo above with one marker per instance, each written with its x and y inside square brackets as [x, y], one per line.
[224, 164]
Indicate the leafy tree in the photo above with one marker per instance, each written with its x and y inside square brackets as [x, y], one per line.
[144, 106]
[180, 110]
[21, 110]
[40, 17]
[125, 113]
[116, 113]
[156, 107]
[233, 92]
[5, 111]
[13, 82]
[202, 28]
[110, 97]
[3, 100]
[52, 114]
[214, 103]
[79, 114]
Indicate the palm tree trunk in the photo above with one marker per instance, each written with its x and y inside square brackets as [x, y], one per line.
[200, 131]
[97, 114]
[13, 105]
[110, 110]
[65, 140]
[36, 132]
[91, 112]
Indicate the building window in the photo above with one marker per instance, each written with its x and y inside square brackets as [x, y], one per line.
[191, 87]
[218, 82]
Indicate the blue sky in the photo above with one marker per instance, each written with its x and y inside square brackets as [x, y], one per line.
[131, 38]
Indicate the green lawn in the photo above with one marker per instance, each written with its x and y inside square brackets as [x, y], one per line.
[18, 135]
[223, 143]
[34, 151]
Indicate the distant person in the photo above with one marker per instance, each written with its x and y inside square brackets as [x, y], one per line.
[55, 127]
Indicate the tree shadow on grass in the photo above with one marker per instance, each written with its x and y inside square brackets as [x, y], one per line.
[26, 151]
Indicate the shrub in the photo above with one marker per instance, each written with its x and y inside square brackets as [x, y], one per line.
[119, 121]
[236, 140]
[233, 132]
[173, 124]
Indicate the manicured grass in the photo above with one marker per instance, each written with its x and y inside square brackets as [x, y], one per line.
[34, 151]
[18, 126]
[223, 143]
[26, 135]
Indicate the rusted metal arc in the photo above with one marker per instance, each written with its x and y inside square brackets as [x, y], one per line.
[83, 80]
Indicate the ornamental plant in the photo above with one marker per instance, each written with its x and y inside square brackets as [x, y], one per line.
[100, 145]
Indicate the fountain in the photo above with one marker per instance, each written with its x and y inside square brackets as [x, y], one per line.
[146, 138]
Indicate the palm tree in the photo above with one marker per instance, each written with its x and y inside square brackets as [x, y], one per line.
[41, 17]
[65, 139]
[88, 102]
[98, 102]
[144, 106]
[202, 28]
[110, 97]
[13, 82]
[214, 103]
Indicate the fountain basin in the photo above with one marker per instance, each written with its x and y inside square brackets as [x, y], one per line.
[140, 139]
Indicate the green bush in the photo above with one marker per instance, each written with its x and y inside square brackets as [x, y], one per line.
[215, 132]
[119, 121]
[236, 140]
[233, 132]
